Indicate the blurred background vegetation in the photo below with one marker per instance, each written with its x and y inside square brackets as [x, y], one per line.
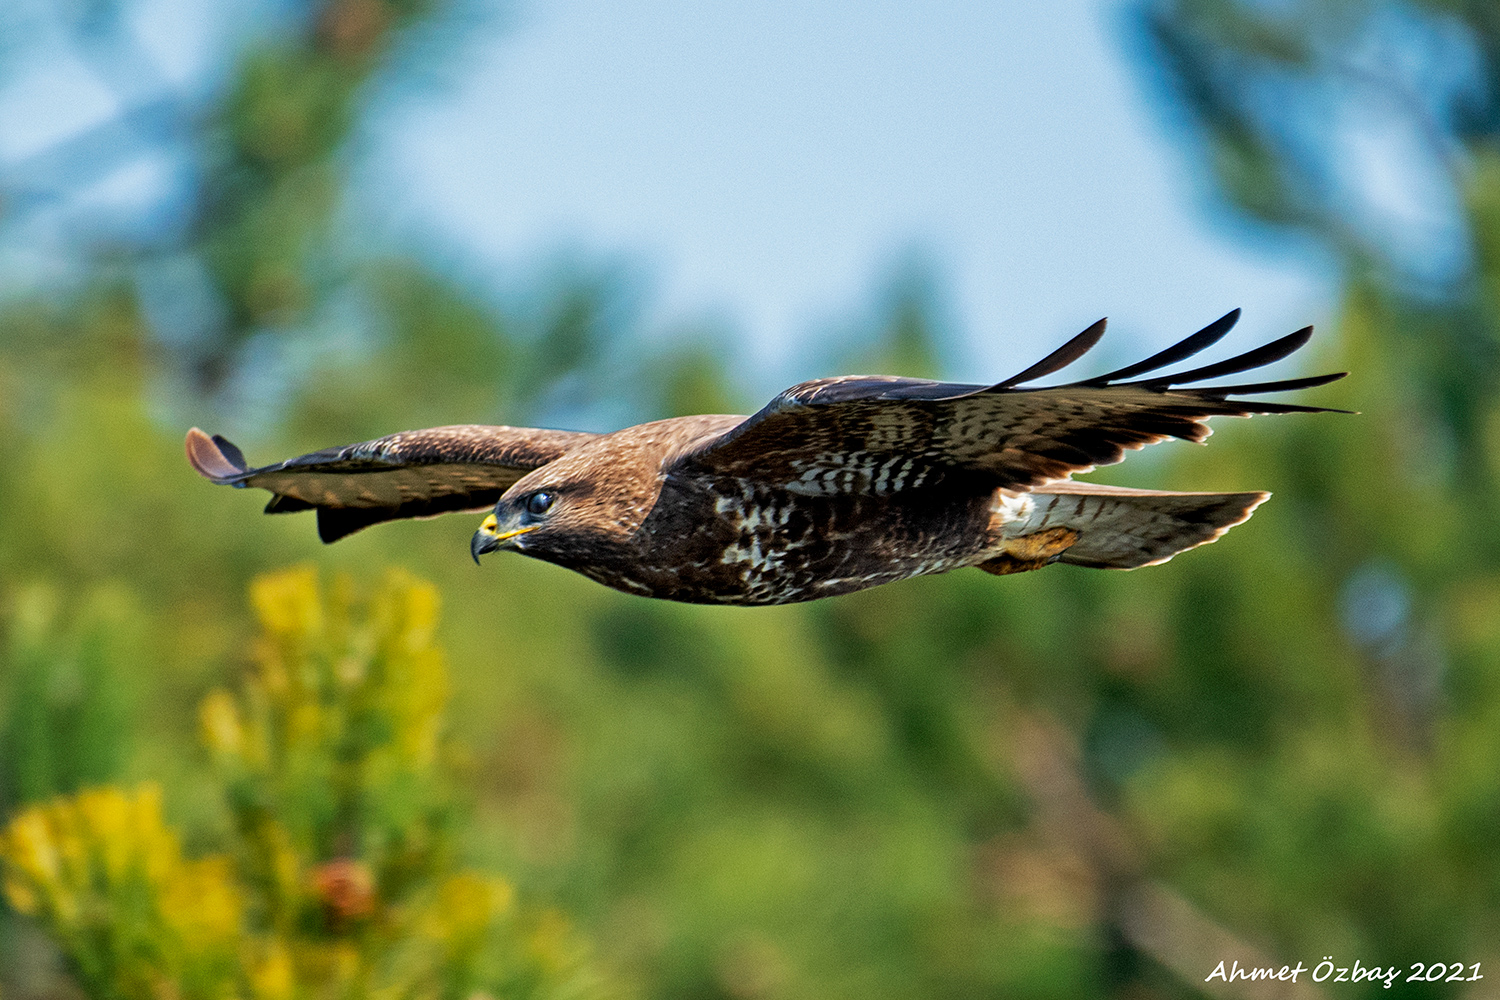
[1066, 784]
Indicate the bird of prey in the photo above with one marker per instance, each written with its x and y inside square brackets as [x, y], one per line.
[836, 485]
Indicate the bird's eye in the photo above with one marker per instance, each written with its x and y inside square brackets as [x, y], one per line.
[538, 503]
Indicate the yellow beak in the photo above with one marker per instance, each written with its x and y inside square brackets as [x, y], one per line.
[489, 525]
[486, 538]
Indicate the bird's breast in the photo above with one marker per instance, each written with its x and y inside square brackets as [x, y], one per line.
[736, 541]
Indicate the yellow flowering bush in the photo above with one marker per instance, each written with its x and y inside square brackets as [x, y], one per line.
[106, 875]
[340, 879]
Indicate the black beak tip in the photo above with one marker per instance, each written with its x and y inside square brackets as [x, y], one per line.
[478, 545]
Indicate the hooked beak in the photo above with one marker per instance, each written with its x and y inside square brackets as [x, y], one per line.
[489, 538]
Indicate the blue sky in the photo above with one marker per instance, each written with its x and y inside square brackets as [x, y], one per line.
[770, 164]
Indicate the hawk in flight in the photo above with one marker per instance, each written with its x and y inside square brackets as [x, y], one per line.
[836, 485]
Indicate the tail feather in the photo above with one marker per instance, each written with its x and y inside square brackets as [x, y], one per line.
[1121, 528]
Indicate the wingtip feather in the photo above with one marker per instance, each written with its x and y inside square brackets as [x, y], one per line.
[1186, 348]
[213, 460]
[1058, 359]
[1259, 357]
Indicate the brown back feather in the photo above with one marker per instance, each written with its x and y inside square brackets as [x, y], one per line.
[884, 434]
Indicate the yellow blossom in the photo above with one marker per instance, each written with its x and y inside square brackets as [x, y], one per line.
[288, 603]
[203, 904]
[31, 860]
[219, 722]
[465, 905]
[271, 976]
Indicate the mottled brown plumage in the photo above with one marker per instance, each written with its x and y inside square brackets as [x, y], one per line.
[836, 485]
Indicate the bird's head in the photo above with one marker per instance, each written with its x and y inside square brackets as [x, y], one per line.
[581, 509]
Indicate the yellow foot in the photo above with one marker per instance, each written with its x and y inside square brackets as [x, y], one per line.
[1031, 551]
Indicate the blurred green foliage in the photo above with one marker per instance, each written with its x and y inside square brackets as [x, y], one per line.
[1068, 783]
[340, 878]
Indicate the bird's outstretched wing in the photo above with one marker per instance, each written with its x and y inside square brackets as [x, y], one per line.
[875, 433]
[410, 474]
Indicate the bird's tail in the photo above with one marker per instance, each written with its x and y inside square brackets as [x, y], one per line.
[1113, 527]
